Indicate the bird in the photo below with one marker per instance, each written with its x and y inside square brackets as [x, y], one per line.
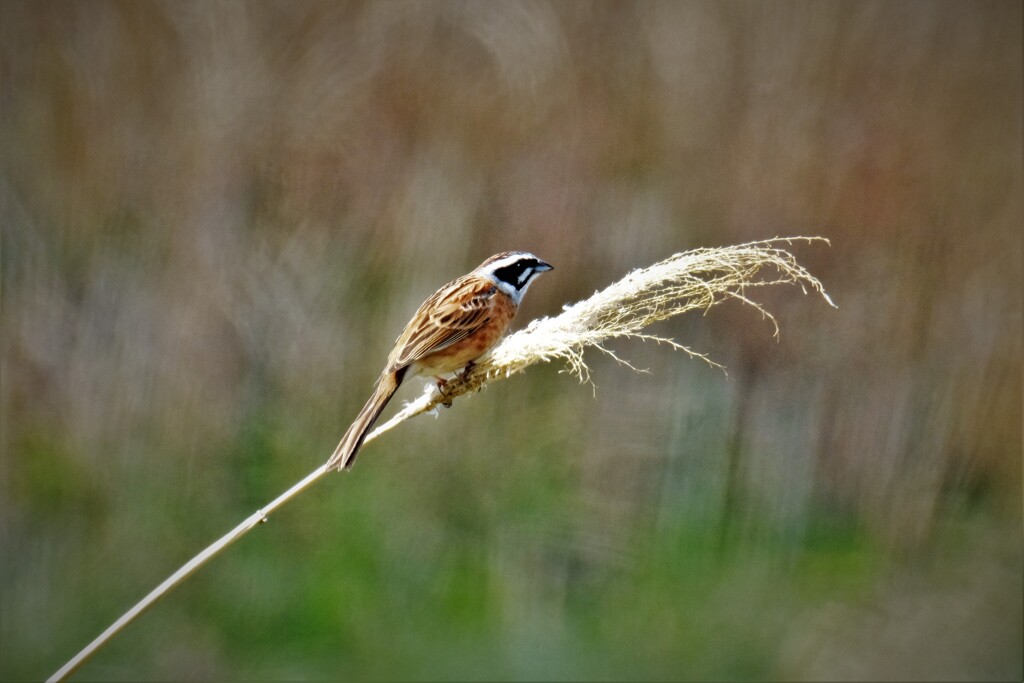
[454, 327]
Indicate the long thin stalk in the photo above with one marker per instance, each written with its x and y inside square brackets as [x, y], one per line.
[189, 568]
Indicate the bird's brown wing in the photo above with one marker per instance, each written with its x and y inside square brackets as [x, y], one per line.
[451, 314]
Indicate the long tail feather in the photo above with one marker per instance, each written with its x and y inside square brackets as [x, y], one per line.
[345, 454]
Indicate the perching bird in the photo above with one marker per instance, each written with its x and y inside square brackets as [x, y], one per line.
[459, 323]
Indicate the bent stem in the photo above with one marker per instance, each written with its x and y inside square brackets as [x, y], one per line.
[692, 280]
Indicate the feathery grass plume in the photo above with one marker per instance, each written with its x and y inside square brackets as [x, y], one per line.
[692, 280]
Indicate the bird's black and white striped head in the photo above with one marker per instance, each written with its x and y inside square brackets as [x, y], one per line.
[513, 271]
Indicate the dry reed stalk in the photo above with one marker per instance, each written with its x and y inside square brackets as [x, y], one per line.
[689, 281]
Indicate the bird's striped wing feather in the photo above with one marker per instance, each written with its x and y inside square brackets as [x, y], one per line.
[454, 312]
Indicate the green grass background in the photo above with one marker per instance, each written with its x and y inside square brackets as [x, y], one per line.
[216, 217]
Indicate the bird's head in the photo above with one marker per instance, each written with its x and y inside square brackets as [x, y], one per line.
[513, 271]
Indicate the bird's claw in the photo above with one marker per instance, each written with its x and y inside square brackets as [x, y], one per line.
[442, 391]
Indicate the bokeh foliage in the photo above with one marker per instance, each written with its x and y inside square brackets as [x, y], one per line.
[216, 217]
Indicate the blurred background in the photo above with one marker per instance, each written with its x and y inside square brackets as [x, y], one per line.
[217, 216]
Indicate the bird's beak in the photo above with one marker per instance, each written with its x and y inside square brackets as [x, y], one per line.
[543, 266]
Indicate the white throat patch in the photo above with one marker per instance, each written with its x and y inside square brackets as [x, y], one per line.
[509, 288]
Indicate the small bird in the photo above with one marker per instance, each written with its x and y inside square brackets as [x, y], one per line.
[458, 323]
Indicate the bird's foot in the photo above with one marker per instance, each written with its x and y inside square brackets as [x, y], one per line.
[466, 370]
[442, 385]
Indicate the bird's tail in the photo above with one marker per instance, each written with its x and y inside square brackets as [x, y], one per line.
[345, 453]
